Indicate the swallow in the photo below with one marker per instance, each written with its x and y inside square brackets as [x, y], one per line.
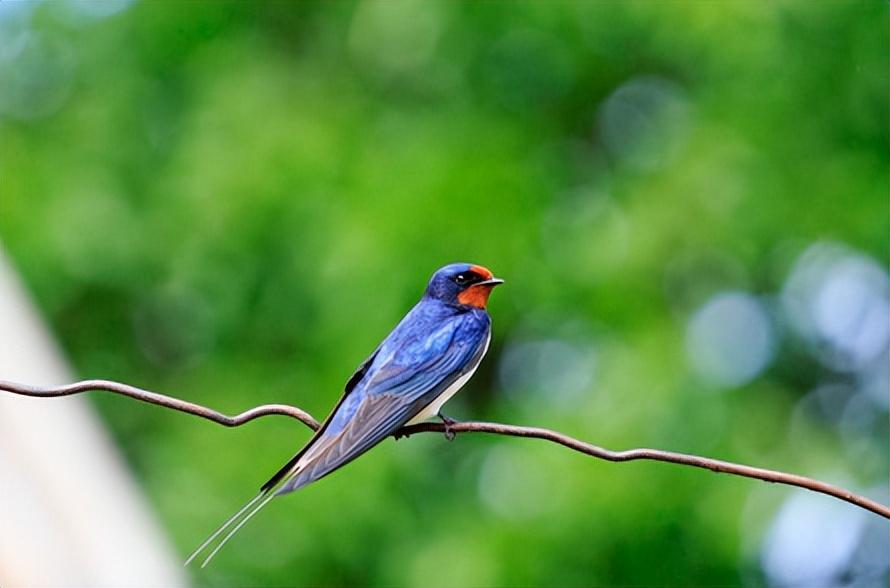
[417, 368]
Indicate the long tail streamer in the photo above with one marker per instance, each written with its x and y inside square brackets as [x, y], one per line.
[228, 523]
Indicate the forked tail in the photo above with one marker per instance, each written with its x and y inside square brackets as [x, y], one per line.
[234, 523]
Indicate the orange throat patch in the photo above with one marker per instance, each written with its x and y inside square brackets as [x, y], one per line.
[476, 295]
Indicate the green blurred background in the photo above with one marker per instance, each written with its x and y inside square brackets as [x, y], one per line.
[233, 202]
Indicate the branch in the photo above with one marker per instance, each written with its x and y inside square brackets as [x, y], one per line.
[714, 465]
[161, 400]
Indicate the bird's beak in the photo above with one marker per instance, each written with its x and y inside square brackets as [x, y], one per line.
[491, 282]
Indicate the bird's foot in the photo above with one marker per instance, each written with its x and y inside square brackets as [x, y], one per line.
[448, 422]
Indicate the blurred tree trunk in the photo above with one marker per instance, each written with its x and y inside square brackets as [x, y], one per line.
[71, 514]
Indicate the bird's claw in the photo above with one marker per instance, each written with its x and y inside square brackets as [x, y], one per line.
[450, 434]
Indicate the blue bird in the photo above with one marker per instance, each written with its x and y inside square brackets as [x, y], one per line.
[422, 363]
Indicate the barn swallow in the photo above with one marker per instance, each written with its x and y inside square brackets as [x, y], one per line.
[426, 358]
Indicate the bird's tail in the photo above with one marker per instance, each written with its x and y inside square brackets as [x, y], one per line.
[234, 523]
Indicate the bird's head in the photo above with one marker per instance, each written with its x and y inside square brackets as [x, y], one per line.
[462, 284]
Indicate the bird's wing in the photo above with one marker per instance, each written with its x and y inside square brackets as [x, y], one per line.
[360, 372]
[393, 395]
[354, 379]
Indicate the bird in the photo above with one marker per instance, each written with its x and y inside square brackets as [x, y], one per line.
[429, 355]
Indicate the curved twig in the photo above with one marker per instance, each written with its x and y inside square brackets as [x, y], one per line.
[714, 465]
[162, 400]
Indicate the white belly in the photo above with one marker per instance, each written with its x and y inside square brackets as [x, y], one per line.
[433, 408]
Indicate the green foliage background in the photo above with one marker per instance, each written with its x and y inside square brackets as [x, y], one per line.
[233, 202]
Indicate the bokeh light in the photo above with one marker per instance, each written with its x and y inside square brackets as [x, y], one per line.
[840, 301]
[645, 122]
[730, 339]
[811, 542]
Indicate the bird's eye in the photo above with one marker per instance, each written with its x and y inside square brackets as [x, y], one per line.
[461, 279]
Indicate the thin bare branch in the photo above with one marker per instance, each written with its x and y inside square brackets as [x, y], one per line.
[162, 400]
[714, 465]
